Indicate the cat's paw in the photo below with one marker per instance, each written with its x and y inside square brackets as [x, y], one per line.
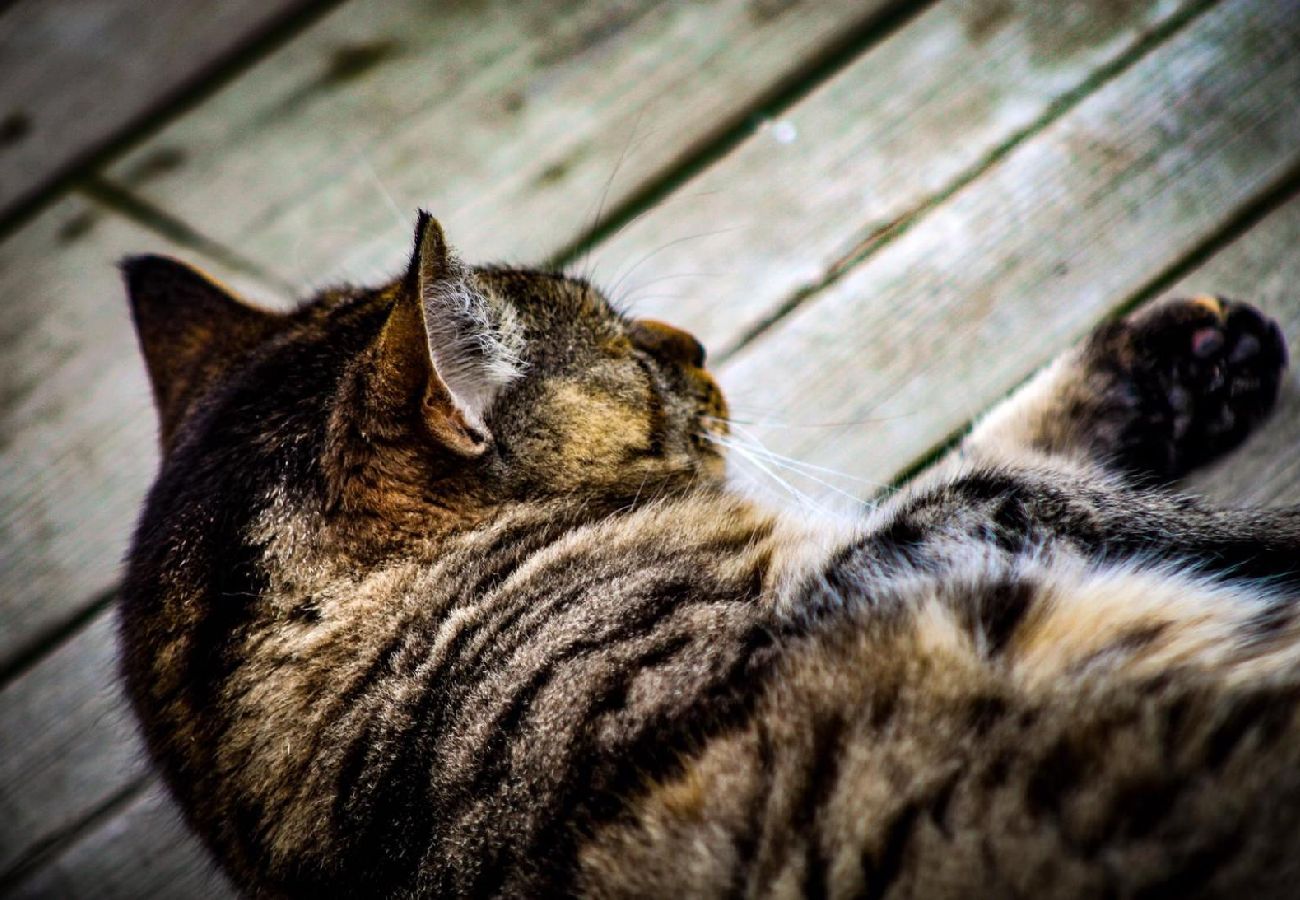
[1184, 381]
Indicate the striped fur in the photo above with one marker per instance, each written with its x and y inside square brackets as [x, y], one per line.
[394, 626]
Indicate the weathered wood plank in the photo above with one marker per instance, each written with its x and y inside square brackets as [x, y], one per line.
[67, 743]
[866, 152]
[512, 122]
[76, 423]
[72, 479]
[75, 74]
[1264, 268]
[990, 284]
[1254, 160]
[933, 31]
[144, 851]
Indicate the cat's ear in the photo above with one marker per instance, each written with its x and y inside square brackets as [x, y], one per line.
[190, 330]
[448, 344]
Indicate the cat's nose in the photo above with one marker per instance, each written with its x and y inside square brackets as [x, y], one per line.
[666, 342]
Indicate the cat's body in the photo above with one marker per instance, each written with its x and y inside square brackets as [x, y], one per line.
[441, 590]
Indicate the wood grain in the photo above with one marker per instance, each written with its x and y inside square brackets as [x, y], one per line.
[77, 447]
[922, 334]
[67, 743]
[910, 345]
[143, 851]
[76, 74]
[514, 123]
[865, 154]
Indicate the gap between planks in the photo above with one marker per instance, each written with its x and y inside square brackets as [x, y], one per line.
[135, 128]
[880, 26]
[880, 236]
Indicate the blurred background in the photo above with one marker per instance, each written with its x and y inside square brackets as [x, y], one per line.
[879, 215]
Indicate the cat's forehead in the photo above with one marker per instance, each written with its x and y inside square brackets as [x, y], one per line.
[544, 301]
[545, 295]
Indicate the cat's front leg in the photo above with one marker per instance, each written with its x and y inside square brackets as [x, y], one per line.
[1153, 395]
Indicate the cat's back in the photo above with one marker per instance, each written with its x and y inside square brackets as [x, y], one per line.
[1061, 729]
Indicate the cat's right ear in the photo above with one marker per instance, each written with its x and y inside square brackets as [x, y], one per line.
[446, 346]
[190, 330]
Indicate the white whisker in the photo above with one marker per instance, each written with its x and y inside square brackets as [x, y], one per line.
[613, 289]
[790, 461]
[786, 424]
[760, 463]
[786, 465]
[369, 169]
[743, 454]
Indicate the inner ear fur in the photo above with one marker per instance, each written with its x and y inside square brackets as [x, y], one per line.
[190, 329]
[428, 353]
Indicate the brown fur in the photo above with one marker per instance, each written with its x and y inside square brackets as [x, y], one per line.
[441, 589]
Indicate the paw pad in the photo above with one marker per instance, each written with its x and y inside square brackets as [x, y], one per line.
[1197, 376]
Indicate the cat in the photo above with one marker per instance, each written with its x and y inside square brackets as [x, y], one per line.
[442, 589]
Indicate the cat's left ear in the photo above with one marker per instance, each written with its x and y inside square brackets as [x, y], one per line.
[191, 330]
[447, 344]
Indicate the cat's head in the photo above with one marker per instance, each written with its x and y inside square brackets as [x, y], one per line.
[426, 402]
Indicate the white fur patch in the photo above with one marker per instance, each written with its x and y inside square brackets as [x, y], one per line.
[477, 346]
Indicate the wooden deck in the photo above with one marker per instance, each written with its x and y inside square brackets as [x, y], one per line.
[881, 215]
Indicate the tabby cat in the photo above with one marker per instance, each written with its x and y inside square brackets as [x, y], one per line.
[441, 589]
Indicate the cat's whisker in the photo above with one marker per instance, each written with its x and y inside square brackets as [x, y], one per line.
[613, 289]
[826, 484]
[628, 301]
[368, 168]
[807, 469]
[677, 197]
[741, 454]
[594, 223]
[745, 453]
[792, 462]
[773, 422]
[786, 465]
[790, 426]
[630, 308]
[585, 261]
[677, 276]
